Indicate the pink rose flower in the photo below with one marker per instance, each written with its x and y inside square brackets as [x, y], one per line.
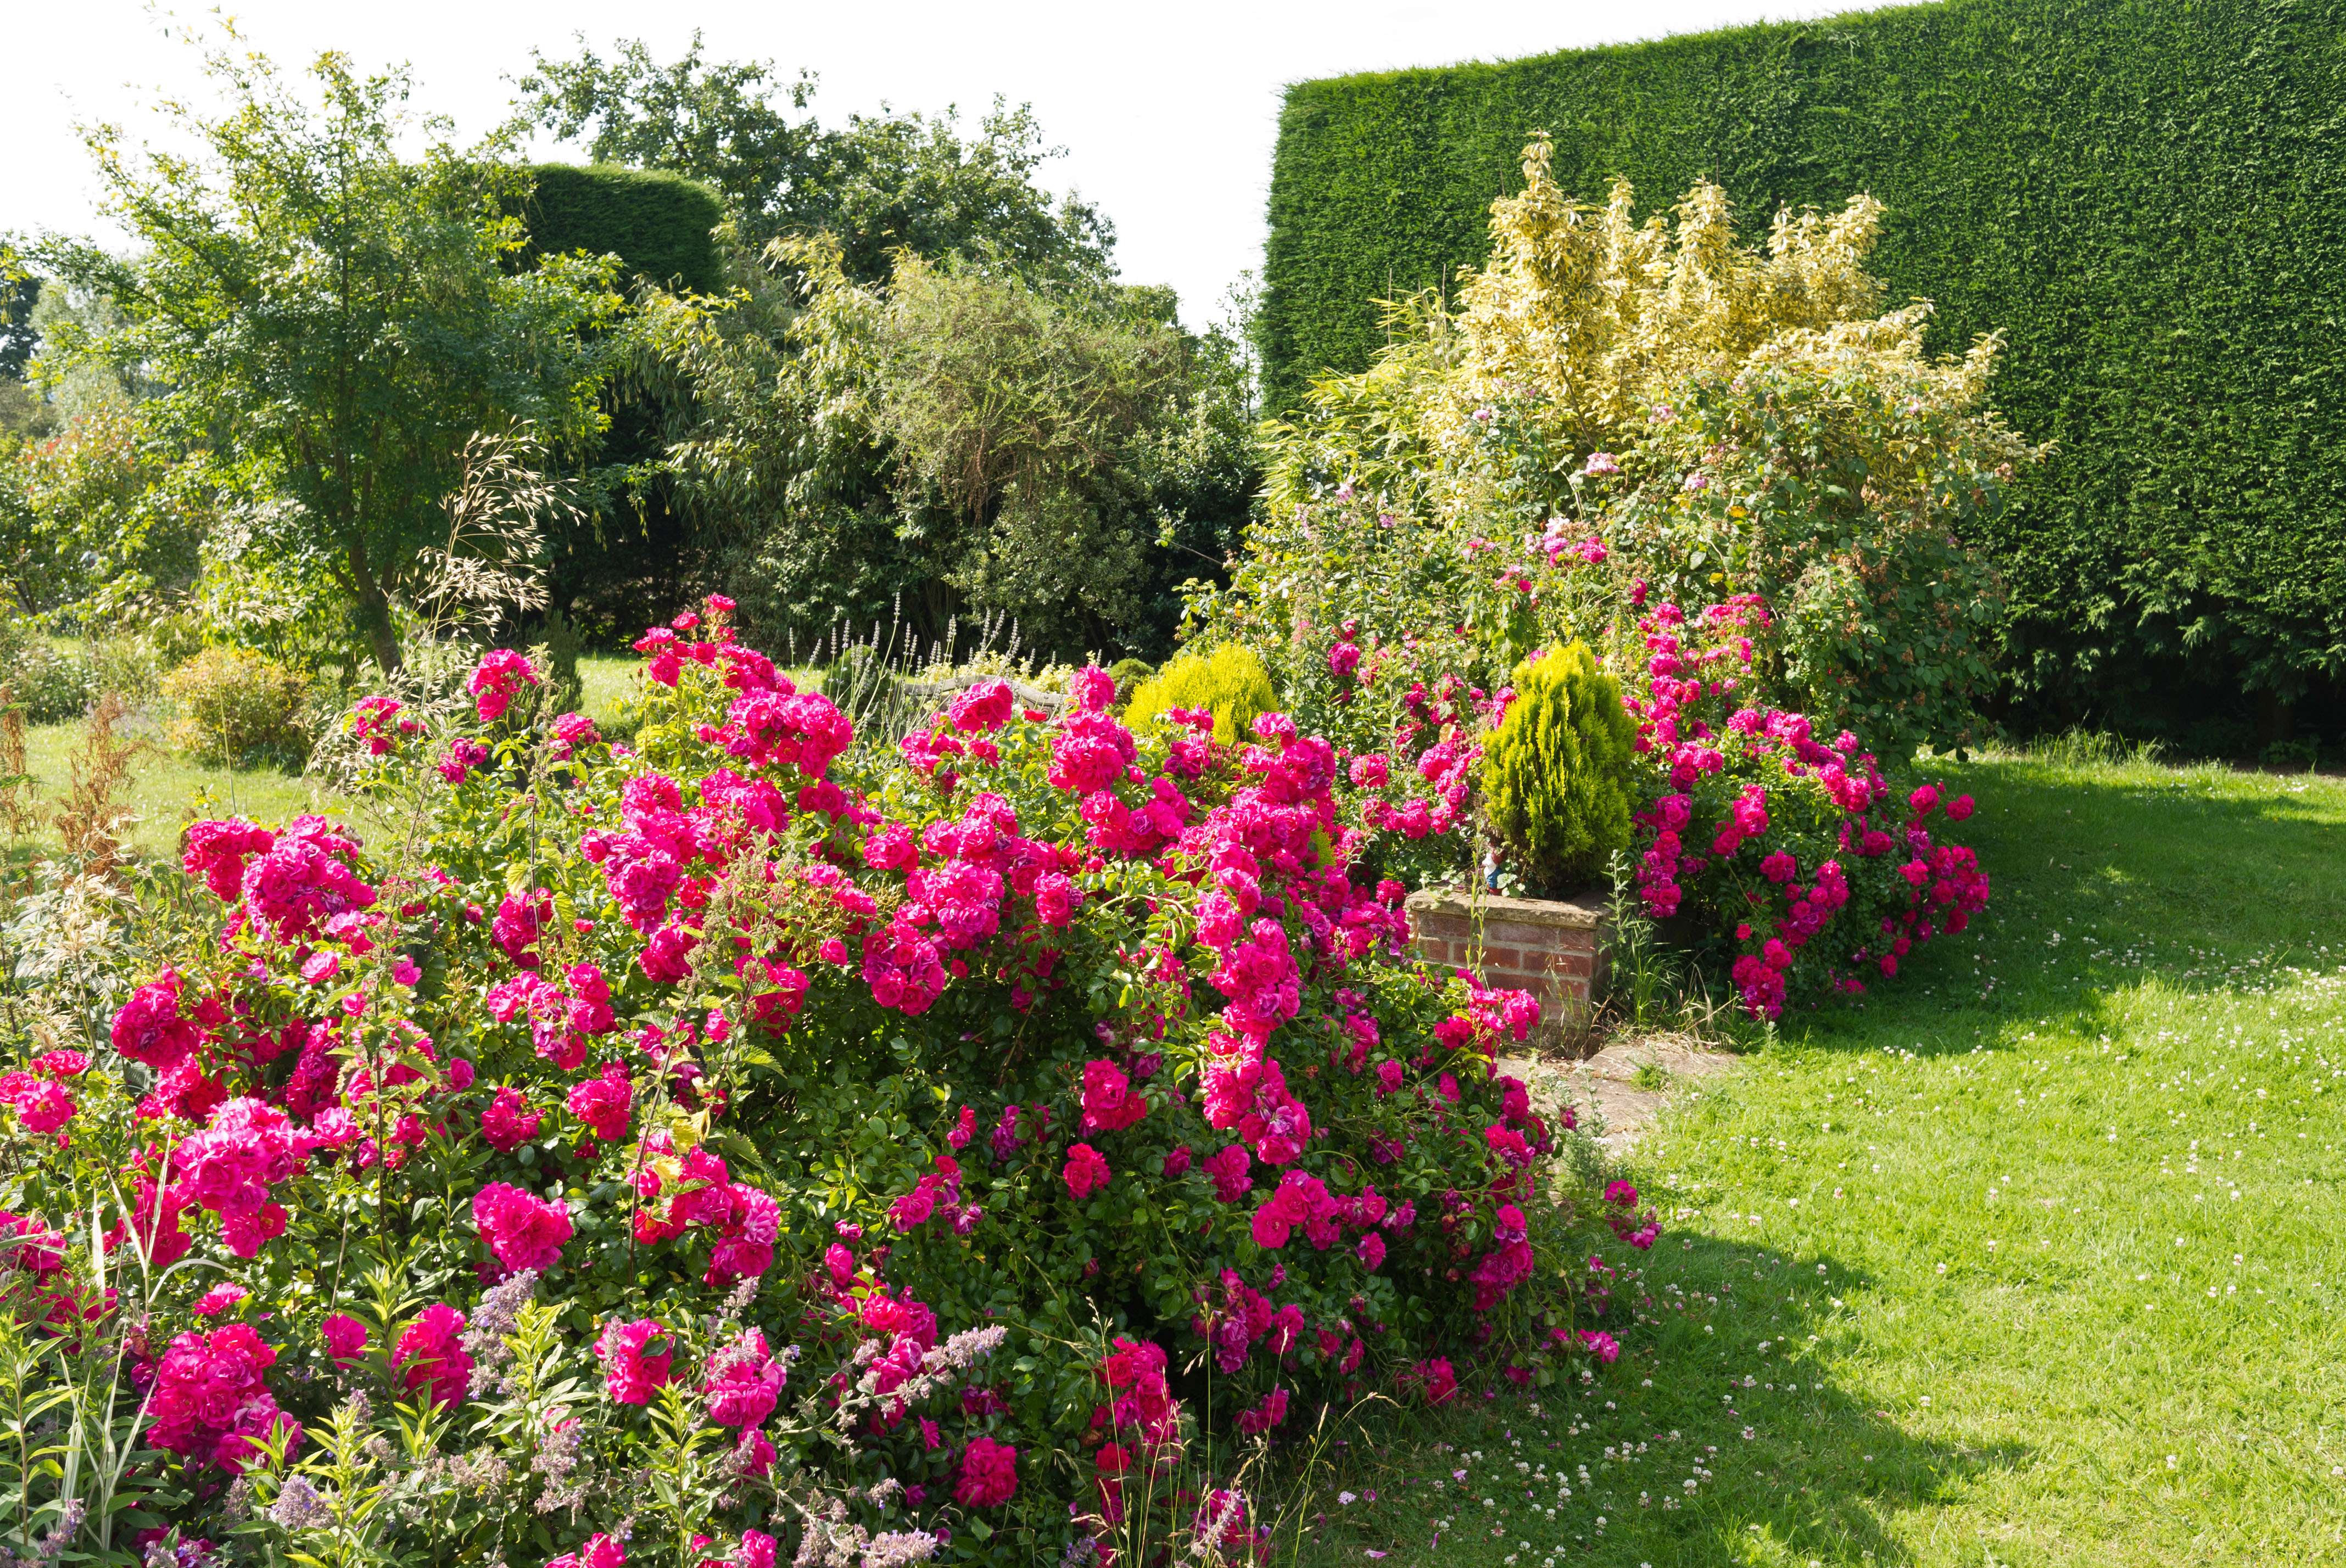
[631, 1372]
[522, 1230]
[989, 1474]
[1085, 1171]
[434, 1354]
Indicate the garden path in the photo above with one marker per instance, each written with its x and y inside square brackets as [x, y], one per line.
[1620, 1081]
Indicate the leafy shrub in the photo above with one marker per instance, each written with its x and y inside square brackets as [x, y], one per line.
[51, 685]
[103, 519]
[1229, 683]
[1713, 418]
[1128, 674]
[979, 1121]
[1555, 772]
[231, 705]
[1793, 853]
[131, 668]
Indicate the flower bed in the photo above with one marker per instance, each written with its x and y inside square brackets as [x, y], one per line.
[1797, 847]
[1552, 948]
[721, 1145]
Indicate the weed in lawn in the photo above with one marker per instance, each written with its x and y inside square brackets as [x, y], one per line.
[92, 825]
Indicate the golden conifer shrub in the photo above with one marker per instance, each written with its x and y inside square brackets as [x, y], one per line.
[1556, 774]
[1231, 683]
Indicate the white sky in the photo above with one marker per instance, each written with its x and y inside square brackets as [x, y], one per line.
[1168, 112]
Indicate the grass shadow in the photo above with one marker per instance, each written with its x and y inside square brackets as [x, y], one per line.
[1721, 1384]
[2109, 878]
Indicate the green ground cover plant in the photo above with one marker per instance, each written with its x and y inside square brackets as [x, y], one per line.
[2040, 1265]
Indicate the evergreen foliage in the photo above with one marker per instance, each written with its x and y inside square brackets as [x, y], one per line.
[2142, 197]
[1230, 683]
[658, 224]
[1556, 774]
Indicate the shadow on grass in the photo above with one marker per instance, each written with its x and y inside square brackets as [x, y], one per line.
[1795, 1464]
[2203, 886]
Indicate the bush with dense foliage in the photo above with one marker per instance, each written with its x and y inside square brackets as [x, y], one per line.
[1791, 854]
[1717, 419]
[661, 226]
[2064, 173]
[1555, 770]
[1618, 422]
[228, 704]
[48, 684]
[1229, 683]
[958, 438]
[95, 520]
[942, 1154]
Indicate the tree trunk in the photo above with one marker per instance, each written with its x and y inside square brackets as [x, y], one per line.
[375, 612]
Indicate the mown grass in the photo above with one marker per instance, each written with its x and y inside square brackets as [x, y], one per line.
[167, 788]
[2036, 1258]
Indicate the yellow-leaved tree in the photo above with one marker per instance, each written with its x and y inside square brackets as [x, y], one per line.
[1658, 403]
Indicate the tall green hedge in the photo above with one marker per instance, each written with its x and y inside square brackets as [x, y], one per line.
[2148, 195]
[657, 223]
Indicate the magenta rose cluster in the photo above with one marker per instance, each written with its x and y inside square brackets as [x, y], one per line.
[875, 1058]
[1826, 876]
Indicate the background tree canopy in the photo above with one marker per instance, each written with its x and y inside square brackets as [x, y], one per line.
[348, 388]
[838, 373]
[957, 441]
[922, 393]
[882, 183]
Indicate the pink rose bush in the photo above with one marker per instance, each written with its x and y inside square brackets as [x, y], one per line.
[1824, 874]
[756, 1081]
[211, 1404]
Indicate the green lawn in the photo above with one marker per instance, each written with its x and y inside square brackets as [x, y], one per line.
[609, 679]
[163, 784]
[2036, 1259]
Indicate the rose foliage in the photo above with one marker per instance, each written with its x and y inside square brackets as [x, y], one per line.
[729, 1142]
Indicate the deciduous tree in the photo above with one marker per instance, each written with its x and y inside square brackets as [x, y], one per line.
[334, 316]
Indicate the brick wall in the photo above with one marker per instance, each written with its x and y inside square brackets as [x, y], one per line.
[1549, 947]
